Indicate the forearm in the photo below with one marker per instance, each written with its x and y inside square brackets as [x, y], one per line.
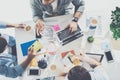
[36, 18]
[36, 10]
[93, 63]
[12, 72]
[79, 5]
[26, 63]
[11, 25]
[77, 14]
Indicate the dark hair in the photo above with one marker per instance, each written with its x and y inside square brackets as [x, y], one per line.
[78, 73]
[3, 44]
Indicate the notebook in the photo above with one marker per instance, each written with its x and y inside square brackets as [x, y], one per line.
[25, 46]
[35, 44]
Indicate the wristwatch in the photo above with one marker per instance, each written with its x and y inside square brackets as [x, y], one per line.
[75, 19]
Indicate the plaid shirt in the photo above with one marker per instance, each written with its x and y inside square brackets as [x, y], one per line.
[7, 67]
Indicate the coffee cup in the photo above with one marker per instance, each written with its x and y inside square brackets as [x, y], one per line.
[27, 28]
[53, 67]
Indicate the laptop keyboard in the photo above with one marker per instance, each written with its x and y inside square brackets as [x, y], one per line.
[67, 34]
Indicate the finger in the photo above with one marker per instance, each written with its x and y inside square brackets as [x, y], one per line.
[43, 53]
[21, 25]
[38, 26]
[37, 31]
[30, 49]
[77, 56]
[42, 29]
[71, 29]
[74, 28]
[67, 26]
[81, 53]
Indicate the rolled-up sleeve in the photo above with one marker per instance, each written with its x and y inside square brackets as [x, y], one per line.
[12, 41]
[79, 5]
[3, 25]
[36, 10]
[12, 72]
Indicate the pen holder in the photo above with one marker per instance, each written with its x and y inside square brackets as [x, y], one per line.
[42, 63]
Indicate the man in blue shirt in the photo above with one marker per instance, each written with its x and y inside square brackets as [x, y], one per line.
[8, 54]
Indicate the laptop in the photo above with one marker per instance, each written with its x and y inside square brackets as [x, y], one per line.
[65, 36]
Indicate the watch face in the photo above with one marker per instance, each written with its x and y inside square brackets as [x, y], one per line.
[75, 19]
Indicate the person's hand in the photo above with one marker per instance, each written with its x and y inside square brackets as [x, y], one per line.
[92, 62]
[20, 25]
[83, 57]
[31, 53]
[72, 26]
[39, 26]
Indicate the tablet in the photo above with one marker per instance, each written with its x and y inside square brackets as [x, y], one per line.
[97, 57]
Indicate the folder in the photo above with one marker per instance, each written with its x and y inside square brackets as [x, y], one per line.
[25, 46]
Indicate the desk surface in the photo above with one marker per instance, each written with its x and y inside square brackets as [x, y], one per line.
[81, 43]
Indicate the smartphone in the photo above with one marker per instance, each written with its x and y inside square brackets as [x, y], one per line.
[34, 72]
[109, 56]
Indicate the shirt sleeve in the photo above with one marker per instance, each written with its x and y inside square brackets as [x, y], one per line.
[11, 41]
[79, 5]
[3, 25]
[37, 11]
[99, 74]
[12, 72]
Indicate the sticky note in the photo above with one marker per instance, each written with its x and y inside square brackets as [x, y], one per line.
[56, 27]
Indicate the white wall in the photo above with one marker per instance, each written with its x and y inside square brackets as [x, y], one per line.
[19, 10]
[15, 10]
